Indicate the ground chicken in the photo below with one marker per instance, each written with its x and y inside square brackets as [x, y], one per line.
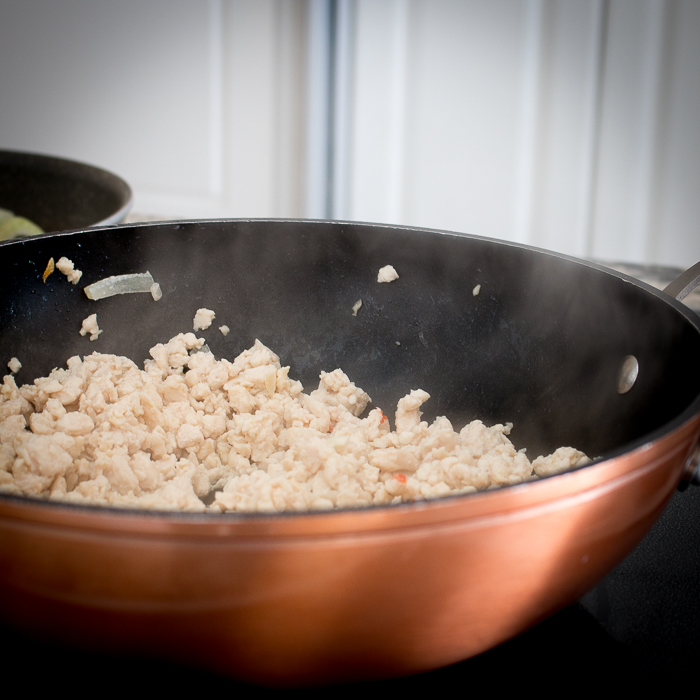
[188, 432]
[387, 274]
[90, 326]
[203, 319]
[65, 266]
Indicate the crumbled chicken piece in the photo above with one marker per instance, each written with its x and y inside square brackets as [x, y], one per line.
[65, 266]
[203, 319]
[387, 274]
[14, 365]
[562, 460]
[225, 330]
[90, 326]
[189, 430]
[356, 307]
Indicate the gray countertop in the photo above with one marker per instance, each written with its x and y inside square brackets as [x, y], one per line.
[658, 276]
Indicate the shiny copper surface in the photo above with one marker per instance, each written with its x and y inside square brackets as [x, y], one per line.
[317, 598]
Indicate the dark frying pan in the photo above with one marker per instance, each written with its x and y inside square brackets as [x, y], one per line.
[59, 194]
[304, 598]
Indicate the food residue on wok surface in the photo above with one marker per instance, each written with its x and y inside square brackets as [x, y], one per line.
[203, 319]
[90, 326]
[195, 433]
[65, 266]
[387, 274]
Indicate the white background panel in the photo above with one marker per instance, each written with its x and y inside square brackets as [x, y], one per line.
[676, 227]
[123, 85]
[464, 68]
[567, 124]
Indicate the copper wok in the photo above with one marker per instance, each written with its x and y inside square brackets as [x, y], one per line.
[314, 598]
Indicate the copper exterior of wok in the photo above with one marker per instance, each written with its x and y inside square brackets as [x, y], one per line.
[307, 599]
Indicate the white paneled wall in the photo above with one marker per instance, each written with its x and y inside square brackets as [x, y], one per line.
[264, 82]
[125, 85]
[567, 124]
[199, 105]
[566, 131]
[675, 217]
[625, 194]
[438, 113]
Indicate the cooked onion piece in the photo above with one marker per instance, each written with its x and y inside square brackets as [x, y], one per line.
[50, 267]
[120, 284]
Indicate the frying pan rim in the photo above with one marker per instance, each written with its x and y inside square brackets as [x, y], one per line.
[689, 314]
[627, 449]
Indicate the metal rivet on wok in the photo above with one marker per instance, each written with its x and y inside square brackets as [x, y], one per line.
[628, 374]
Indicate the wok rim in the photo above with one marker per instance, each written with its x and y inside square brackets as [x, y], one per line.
[682, 423]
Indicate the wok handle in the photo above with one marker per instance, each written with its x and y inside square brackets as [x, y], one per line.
[685, 283]
[691, 471]
[680, 288]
